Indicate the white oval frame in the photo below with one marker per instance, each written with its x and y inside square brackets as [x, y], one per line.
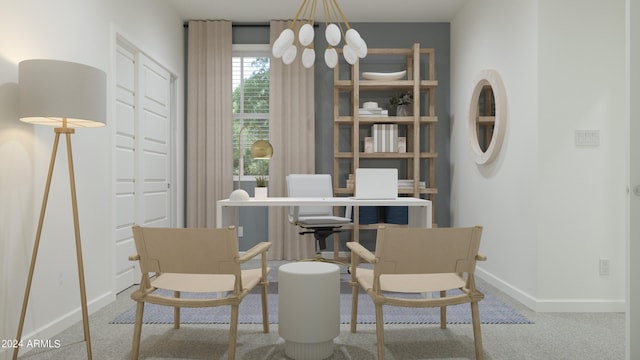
[492, 78]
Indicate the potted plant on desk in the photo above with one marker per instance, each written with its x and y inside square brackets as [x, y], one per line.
[260, 191]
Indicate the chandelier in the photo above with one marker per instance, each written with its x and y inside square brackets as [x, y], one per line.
[303, 23]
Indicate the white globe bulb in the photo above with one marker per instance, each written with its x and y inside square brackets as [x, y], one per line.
[278, 49]
[308, 57]
[353, 39]
[282, 43]
[306, 34]
[331, 57]
[349, 54]
[362, 52]
[290, 54]
[332, 34]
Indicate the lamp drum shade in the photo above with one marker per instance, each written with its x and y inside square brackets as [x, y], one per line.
[52, 90]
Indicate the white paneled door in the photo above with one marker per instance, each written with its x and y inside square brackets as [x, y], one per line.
[142, 169]
[154, 158]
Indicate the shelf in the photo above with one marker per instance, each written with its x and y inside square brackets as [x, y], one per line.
[486, 120]
[385, 155]
[402, 120]
[372, 226]
[402, 191]
[371, 85]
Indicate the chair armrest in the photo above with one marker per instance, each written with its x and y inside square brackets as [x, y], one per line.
[481, 257]
[254, 251]
[362, 252]
[134, 257]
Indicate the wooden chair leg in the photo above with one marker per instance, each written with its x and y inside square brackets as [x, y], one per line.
[233, 332]
[176, 312]
[137, 331]
[380, 331]
[477, 335]
[443, 312]
[354, 308]
[265, 309]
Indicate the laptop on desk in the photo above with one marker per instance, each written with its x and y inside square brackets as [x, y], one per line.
[376, 184]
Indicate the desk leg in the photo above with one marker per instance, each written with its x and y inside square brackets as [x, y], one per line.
[420, 216]
[356, 224]
[219, 210]
[226, 216]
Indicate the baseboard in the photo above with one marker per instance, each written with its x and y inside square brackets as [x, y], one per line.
[50, 330]
[552, 305]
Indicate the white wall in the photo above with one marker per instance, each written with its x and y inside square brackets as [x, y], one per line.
[582, 86]
[551, 210]
[500, 196]
[79, 31]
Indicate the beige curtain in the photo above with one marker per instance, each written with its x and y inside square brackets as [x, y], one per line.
[293, 138]
[209, 126]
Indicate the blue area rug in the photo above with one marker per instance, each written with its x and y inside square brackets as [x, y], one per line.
[492, 311]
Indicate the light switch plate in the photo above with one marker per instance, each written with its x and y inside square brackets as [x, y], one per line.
[587, 137]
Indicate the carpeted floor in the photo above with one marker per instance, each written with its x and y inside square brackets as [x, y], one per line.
[551, 336]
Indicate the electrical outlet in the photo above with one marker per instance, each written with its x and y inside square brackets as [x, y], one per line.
[240, 231]
[604, 267]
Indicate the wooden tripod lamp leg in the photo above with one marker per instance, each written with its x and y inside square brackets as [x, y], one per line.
[36, 244]
[76, 227]
[83, 296]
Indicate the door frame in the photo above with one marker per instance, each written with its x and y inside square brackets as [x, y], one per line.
[632, 11]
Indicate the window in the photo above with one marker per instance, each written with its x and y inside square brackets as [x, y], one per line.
[250, 107]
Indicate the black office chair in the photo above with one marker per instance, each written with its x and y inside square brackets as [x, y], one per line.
[316, 220]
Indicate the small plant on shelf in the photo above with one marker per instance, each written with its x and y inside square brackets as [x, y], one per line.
[401, 99]
[401, 103]
[261, 181]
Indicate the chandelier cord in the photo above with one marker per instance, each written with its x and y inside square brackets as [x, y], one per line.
[338, 12]
[304, 5]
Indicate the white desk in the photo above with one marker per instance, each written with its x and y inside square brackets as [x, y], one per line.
[419, 209]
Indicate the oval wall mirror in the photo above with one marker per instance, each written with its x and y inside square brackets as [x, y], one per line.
[487, 116]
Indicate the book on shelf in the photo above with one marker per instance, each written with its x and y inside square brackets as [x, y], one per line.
[373, 112]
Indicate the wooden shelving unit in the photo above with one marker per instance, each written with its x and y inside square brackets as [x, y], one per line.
[420, 152]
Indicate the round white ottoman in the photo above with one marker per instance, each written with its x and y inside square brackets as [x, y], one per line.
[308, 309]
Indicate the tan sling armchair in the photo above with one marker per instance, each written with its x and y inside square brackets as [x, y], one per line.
[419, 260]
[197, 261]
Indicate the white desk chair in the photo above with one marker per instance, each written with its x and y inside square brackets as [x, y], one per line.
[316, 220]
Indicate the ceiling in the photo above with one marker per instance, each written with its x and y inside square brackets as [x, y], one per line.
[354, 10]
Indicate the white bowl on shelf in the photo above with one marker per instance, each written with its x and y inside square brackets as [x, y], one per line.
[384, 76]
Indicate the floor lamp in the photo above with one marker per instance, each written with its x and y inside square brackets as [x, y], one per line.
[63, 95]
